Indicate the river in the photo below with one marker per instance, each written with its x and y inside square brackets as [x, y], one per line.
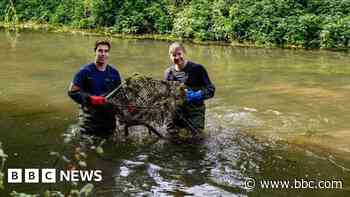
[277, 115]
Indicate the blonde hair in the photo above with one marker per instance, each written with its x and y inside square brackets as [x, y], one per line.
[176, 45]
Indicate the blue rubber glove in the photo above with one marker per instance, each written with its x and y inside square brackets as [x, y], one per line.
[194, 96]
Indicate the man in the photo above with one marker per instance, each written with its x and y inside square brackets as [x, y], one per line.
[190, 115]
[88, 88]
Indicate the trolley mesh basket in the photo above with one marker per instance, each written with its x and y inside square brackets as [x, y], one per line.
[141, 100]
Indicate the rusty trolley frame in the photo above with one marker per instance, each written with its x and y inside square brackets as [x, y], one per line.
[141, 100]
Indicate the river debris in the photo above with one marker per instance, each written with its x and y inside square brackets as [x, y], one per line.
[145, 101]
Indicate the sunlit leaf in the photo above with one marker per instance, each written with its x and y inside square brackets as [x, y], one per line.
[87, 190]
[1, 180]
[99, 150]
[55, 154]
[82, 164]
[2, 154]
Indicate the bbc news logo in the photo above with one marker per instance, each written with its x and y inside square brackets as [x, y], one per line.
[51, 175]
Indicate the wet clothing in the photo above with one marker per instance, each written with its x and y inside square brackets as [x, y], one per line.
[96, 82]
[97, 120]
[195, 77]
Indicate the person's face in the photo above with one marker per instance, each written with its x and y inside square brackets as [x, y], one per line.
[177, 57]
[102, 52]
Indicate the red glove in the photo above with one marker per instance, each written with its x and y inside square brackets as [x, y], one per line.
[98, 100]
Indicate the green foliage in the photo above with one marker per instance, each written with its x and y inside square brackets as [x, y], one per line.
[310, 30]
[79, 157]
[131, 18]
[72, 12]
[3, 157]
[35, 10]
[160, 17]
[63, 14]
[194, 21]
[221, 23]
[104, 11]
[85, 191]
[303, 23]
[336, 34]
[10, 16]
[1, 180]
[3, 6]
[141, 16]
[16, 194]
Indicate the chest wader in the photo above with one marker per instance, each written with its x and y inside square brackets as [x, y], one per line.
[99, 121]
[96, 120]
[189, 120]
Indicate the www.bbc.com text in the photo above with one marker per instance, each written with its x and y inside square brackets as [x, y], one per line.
[251, 183]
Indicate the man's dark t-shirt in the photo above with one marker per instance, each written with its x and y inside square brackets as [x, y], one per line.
[93, 82]
[194, 76]
[96, 82]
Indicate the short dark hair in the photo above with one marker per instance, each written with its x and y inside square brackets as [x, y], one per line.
[103, 42]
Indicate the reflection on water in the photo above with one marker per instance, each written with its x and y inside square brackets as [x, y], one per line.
[218, 167]
[278, 114]
[165, 169]
[12, 37]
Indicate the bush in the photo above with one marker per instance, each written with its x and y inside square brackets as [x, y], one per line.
[64, 13]
[139, 16]
[3, 8]
[306, 23]
[221, 24]
[336, 34]
[194, 21]
[160, 18]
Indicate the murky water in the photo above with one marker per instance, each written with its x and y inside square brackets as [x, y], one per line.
[277, 115]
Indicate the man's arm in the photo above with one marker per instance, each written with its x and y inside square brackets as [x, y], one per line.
[76, 88]
[80, 97]
[209, 88]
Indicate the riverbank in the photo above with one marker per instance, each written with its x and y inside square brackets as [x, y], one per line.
[160, 37]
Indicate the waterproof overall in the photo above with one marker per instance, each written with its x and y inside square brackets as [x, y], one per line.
[195, 77]
[95, 120]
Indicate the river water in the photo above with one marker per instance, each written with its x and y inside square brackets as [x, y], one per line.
[277, 115]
